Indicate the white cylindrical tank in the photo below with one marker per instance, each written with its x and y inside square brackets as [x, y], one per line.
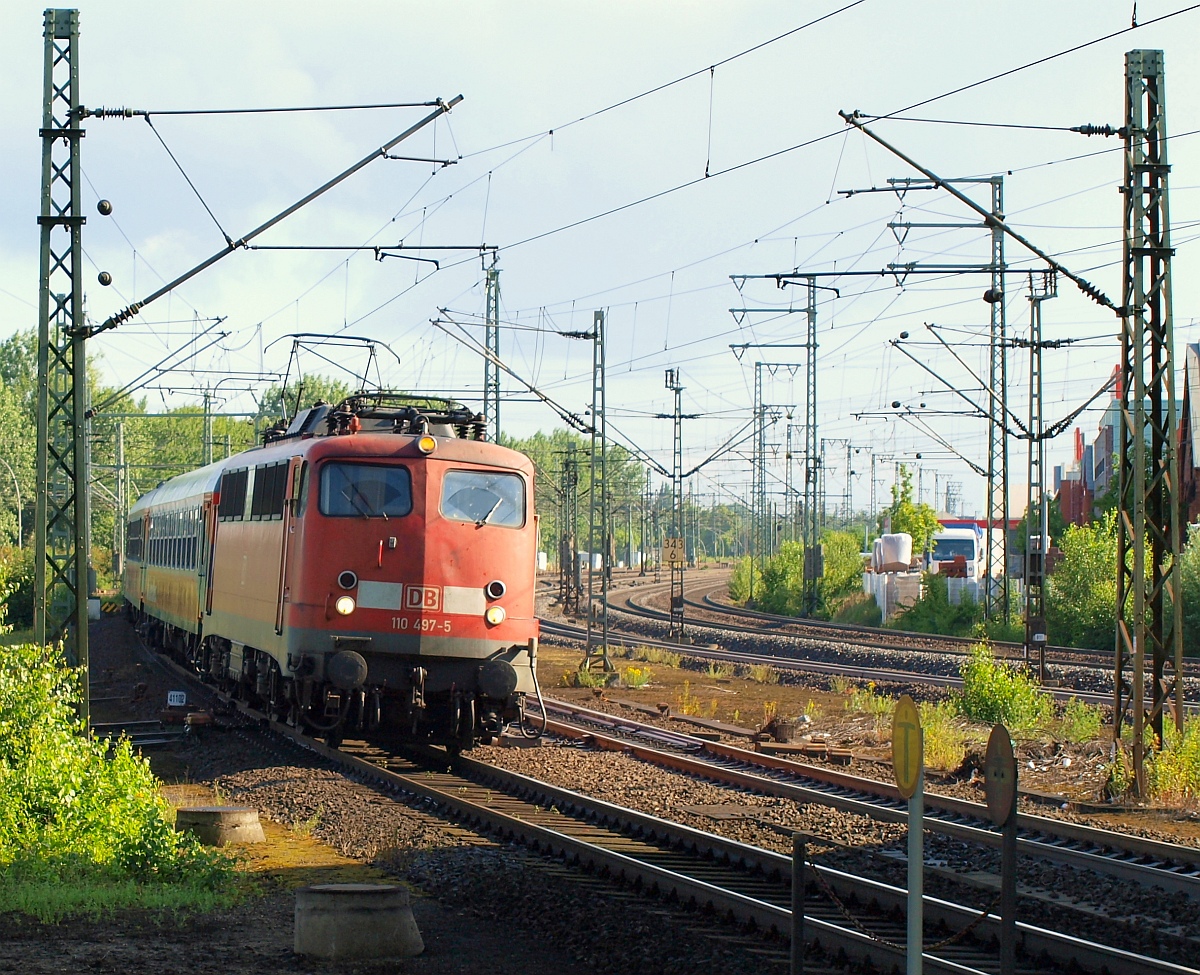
[877, 555]
[895, 552]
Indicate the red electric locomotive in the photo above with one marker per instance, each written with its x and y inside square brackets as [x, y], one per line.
[371, 565]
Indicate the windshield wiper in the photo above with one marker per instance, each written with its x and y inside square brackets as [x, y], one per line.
[491, 512]
[368, 511]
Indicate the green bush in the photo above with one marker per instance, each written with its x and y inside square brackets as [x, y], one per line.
[1081, 595]
[934, 613]
[859, 609]
[72, 812]
[739, 581]
[16, 587]
[996, 693]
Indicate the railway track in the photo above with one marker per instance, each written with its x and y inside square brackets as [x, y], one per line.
[746, 884]
[1150, 863]
[713, 652]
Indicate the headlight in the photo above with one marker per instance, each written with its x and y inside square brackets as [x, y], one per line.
[495, 615]
[344, 605]
[427, 445]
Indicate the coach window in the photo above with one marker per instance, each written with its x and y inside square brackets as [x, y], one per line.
[484, 497]
[364, 491]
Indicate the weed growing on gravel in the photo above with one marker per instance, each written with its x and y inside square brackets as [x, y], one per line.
[636, 677]
[650, 655]
[586, 678]
[877, 706]
[762, 674]
[83, 827]
[719, 671]
[812, 709]
[945, 739]
[1080, 722]
[995, 692]
[689, 704]
[1174, 772]
[770, 709]
[840, 685]
[307, 826]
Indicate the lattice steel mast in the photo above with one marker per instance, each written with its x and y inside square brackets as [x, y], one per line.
[677, 567]
[1037, 511]
[1149, 612]
[61, 568]
[491, 362]
[598, 506]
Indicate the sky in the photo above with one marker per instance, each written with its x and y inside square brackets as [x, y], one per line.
[628, 157]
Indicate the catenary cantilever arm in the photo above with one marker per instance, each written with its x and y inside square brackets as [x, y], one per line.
[127, 313]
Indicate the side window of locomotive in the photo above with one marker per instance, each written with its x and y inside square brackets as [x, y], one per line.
[484, 497]
[270, 482]
[300, 490]
[233, 495]
[364, 491]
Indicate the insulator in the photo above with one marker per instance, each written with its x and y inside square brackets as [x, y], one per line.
[992, 296]
[104, 278]
[104, 207]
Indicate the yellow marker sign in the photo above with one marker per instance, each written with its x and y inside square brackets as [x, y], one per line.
[908, 758]
[673, 551]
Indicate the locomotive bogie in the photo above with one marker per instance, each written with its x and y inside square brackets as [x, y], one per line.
[349, 581]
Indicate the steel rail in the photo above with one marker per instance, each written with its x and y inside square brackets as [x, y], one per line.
[705, 849]
[1144, 861]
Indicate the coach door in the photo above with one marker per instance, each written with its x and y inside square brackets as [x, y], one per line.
[291, 510]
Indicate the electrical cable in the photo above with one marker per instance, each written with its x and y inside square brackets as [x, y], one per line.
[669, 84]
[207, 208]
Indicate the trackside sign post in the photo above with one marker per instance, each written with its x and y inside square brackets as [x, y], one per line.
[1000, 787]
[908, 761]
[673, 551]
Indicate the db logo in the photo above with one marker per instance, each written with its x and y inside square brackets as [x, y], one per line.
[423, 597]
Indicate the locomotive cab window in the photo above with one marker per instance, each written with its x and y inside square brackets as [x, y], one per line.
[484, 497]
[365, 491]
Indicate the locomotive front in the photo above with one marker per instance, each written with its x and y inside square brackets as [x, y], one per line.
[409, 579]
[401, 557]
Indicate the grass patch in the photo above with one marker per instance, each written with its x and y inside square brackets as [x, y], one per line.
[587, 678]
[864, 700]
[996, 693]
[1080, 722]
[761, 673]
[1173, 774]
[945, 739]
[719, 671]
[840, 685]
[651, 655]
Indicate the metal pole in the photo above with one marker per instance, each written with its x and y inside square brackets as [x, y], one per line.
[916, 876]
[61, 532]
[598, 500]
[1149, 603]
[798, 945]
[491, 362]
